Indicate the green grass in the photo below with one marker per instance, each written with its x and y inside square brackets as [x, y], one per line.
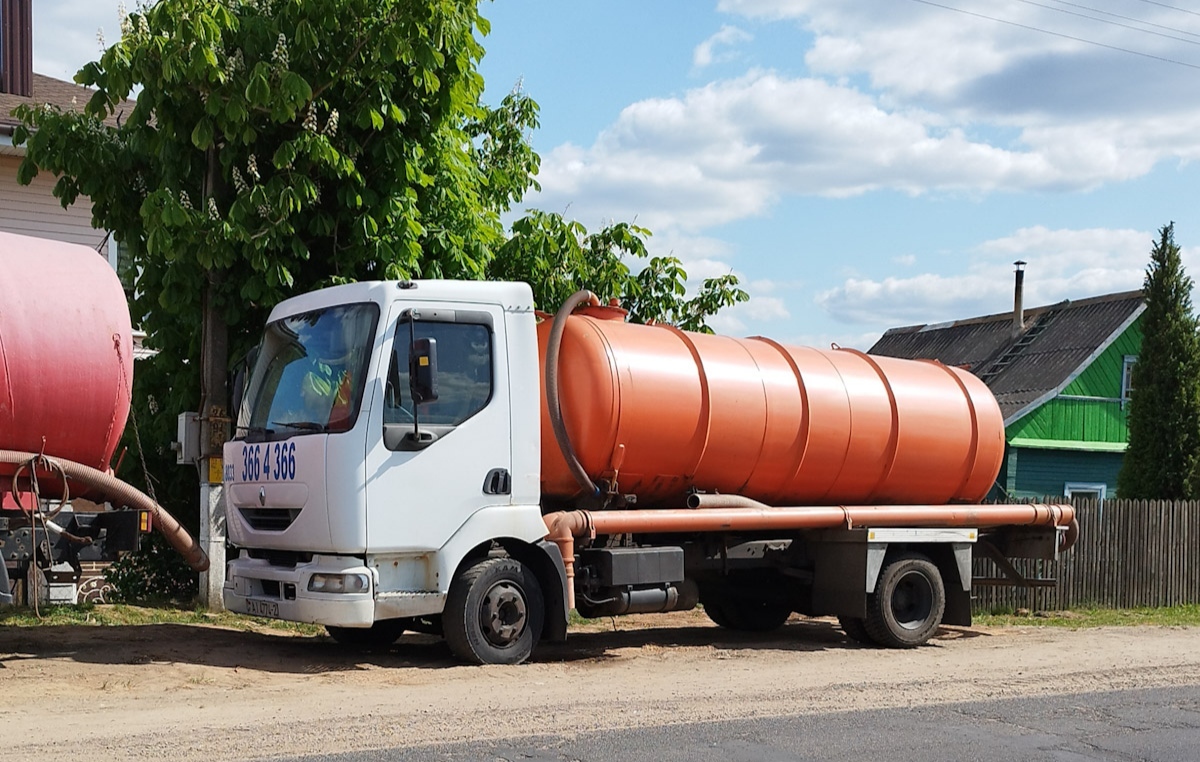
[121, 615]
[1187, 615]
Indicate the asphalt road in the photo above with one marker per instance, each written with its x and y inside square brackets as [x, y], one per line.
[1152, 725]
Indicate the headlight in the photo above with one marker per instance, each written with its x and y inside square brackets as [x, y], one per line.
[338, 583]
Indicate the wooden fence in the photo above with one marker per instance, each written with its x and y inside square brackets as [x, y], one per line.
[1130, 553]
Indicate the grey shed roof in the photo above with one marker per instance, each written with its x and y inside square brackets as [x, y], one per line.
[1058, 342]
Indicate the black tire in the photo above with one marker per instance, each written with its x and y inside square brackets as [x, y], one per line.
[494, 612]
[856, 629]
[379, 635]
[747, 615]
[717, 615]
[907, 606]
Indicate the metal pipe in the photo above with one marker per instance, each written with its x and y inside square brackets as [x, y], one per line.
[1018, 321]
[700, 500]
[120, 492]
[553, 403]
[561, 529]
[818, 517]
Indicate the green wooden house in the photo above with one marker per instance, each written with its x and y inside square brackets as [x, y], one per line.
[1062, 376]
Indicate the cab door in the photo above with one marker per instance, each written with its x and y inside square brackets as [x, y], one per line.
[430, 466]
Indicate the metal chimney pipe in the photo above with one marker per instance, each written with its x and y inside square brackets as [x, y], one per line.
[1018, 323]
[16, 47]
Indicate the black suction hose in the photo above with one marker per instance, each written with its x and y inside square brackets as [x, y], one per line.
[553, 404]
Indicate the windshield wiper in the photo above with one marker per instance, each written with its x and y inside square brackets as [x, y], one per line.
[302, 425]
[256, 431]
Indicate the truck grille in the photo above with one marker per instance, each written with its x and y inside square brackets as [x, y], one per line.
[269, 519]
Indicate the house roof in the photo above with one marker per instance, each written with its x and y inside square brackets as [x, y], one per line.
[1058, 342]
[66, 95]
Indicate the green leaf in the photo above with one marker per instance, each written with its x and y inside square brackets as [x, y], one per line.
[202, 135]
[235, 111]
[305, 37]
[284, 155]
[297, 88]
[258, 91]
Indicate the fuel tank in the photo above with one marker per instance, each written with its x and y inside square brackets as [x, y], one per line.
[66, 352]
[667, 412]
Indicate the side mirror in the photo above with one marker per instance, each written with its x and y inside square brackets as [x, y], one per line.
[422, 370]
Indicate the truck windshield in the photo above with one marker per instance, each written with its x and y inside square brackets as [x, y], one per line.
[310, 373]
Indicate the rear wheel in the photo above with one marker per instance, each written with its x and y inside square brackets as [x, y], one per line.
[717, 615]
[379, 635]
[907, 606]
[747, 615]
[494, 612]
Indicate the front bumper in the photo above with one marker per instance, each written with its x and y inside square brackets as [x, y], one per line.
[255, 587]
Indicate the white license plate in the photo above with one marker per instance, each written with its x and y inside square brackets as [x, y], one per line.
[263, 608]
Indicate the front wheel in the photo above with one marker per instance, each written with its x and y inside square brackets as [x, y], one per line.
[907, 606]
[494, 612]
[379, 635]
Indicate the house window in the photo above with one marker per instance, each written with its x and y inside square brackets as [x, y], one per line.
[1127, 378]
[1085, 490]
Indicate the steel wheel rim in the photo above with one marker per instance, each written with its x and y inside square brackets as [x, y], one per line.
[912, 600]
[503, 614]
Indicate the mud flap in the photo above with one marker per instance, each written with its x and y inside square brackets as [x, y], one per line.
[5, 586]
[545, 559]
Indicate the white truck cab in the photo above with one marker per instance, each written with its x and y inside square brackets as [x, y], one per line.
[352, 506]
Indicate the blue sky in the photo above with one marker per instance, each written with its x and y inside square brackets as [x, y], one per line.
[859, 164]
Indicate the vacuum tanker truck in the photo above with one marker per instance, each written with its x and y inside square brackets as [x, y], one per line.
[66, 376]
[437, 456]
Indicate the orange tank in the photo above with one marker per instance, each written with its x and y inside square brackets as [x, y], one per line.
[671, 411]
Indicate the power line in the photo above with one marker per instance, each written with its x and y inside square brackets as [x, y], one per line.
[1106, 21]
[1059, 34]
[1128, 18]
[1172, 7]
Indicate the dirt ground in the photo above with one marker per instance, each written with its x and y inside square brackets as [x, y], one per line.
[198, 692]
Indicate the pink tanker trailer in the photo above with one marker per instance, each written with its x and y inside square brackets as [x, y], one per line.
[66, 378]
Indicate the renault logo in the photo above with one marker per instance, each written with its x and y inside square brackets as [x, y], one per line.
[262, 495]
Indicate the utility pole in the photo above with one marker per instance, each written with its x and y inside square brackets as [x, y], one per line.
[214, 423]
[214, 431]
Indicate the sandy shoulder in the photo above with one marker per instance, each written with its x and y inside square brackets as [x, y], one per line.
[197, 692]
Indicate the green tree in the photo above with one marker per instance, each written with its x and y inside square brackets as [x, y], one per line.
[276, 146]
[558, 258]
[1164, 409]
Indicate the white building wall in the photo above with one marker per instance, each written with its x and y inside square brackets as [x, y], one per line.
[34, 211]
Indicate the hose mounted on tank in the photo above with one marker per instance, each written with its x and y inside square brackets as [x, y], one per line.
[553, 402]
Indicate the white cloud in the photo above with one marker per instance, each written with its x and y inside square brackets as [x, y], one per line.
[757, 313]
[955, 104]
[1062, 264]
[906, 260]
[726, 151]
[954, 55]
[713, 50]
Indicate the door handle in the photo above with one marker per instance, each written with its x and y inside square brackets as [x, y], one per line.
[497, 482]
